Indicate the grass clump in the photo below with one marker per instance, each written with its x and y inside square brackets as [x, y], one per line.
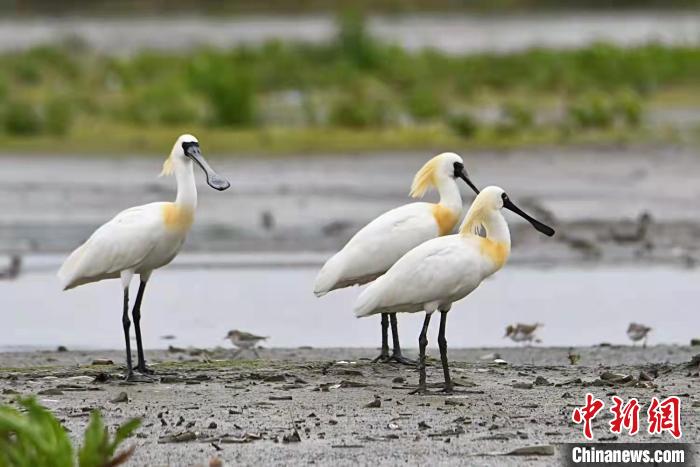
[597, 110]
[227, 87]
[515, 117]
[463, 124]
[366, 103]
[354, 42]
[21, 117]
[58, 115]
[35, 437]
[630, 108]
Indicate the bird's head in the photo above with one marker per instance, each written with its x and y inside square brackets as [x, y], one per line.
[234, 334]
[510, 329]
[438, 170]
[186, 151]
[493, 198]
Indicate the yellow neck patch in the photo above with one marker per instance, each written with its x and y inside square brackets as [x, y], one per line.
[446, 218]
[496, 251]
[177, 218]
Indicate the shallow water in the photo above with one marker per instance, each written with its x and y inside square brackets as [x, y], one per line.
[455, 33]
[198, 305]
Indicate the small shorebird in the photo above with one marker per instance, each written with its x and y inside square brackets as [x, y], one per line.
[636, 233]
[378, 245]
[244, 341]
[636, 332]
[141, 239]
[441, 271]
[13, 269]
[520, 332]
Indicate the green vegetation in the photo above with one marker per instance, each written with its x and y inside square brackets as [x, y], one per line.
[35, 437]
[356, 90]
[218, 7]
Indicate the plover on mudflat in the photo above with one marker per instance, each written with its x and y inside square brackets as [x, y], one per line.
[636, 332]
[520, 332]
[244, 341]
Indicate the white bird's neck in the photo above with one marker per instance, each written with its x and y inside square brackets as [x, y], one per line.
[186, 186]
[491, 228]
[497, 229]
[449, 195]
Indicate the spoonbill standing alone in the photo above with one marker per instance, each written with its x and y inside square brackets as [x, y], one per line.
[141, 239]
[378, 245]
[441, 271]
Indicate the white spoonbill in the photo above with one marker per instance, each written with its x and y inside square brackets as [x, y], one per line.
[141, 239]
[378, 245]
[441, 271]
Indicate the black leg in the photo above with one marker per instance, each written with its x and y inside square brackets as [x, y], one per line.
[126, 324]
[442, 343]
[396, 355]
[384, 355]
[136, 314]
[422, 343]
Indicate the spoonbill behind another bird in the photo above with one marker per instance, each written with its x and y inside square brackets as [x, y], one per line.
[441, 271]
[143, 238]
[378, 245]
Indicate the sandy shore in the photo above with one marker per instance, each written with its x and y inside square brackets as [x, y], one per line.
[311, 405]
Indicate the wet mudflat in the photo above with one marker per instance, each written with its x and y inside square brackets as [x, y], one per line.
[593, 197]
[335, 406]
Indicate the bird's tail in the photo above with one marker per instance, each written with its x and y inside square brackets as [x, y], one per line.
[330, 275]
[66, 274]
[368, 302]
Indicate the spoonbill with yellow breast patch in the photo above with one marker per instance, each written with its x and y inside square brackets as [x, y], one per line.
[141, 239]
[441, 271]
[378, 245]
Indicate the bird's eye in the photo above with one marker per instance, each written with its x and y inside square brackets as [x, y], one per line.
[458, 168]
[504, 196]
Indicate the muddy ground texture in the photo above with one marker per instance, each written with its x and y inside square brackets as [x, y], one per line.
[334, 406]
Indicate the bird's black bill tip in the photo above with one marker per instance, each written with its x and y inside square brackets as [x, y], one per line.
[539, 226]
[545, 229]
[218, 183]
[463, 175]
[214, 180]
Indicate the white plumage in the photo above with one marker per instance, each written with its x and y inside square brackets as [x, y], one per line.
[378, 245]
[136, 239]
[443, 270]
[436, 273]
[143, 238]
